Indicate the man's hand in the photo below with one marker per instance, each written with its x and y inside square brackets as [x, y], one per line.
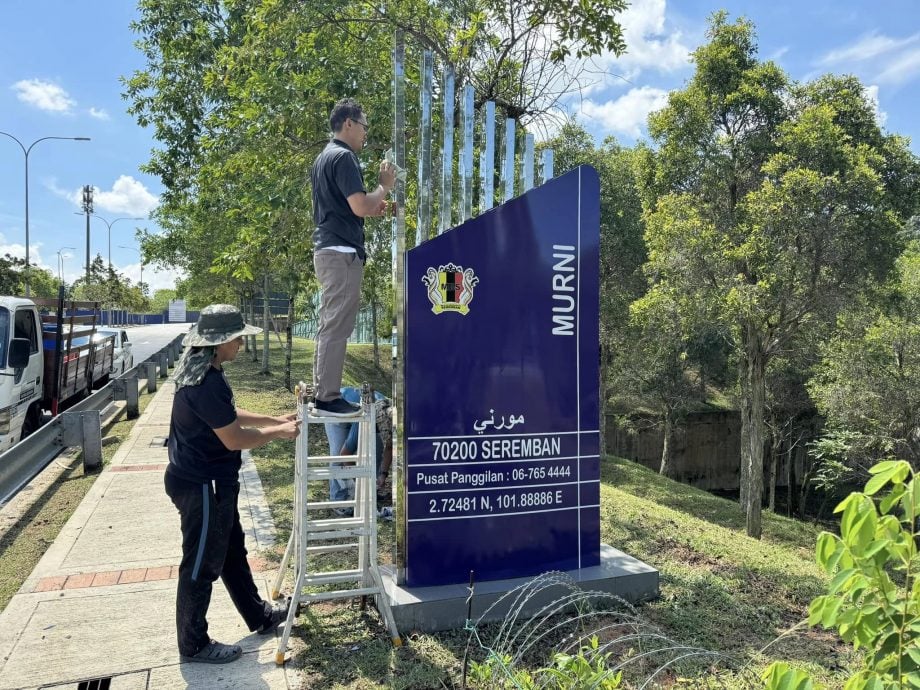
[286, 418]
[288, 430]
[387, 177]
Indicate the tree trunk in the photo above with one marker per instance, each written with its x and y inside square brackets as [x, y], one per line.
[602, 414]
[745, 460]
[252, 319]
[266, 318]
[374, 329]
[665, 469]
[756, 370]
[790, 476]
[243, 311]
[775, 449]
[289, 342]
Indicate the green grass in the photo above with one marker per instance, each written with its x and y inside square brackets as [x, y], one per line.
[25, 543]
[720, 590]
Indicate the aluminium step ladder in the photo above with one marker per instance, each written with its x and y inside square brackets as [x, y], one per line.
[311, 537]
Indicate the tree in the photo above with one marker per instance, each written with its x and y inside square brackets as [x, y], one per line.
[622, 249]
[238, 97]
[768, 206]
[161, 299]
[868, 381]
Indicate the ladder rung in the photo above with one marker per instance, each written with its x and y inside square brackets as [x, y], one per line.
[333, 577]
[339, 472]
[328, 505]
[339, 534]
[333, 458]
[334, 523]
[340, 594]
[330, 548]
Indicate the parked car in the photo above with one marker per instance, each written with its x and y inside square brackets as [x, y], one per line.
[124, 358]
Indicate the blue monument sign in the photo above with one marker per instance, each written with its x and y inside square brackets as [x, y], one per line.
[501, 398]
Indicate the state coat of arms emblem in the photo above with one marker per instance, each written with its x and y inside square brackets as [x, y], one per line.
[450, 288]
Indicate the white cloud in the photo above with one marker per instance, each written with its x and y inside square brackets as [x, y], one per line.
[628, 113]
[156, 278]
[881, 58]
[872, 94]
[904, 68]
[44, 95]
[865, 48]
[650, 42]
[128, 196]
[99, 113]
[19, 250]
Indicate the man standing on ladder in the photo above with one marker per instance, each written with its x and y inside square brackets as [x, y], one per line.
[340, 205]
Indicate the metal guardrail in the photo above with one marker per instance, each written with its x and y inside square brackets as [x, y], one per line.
[80, 425]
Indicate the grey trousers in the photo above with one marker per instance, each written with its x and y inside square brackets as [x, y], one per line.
[339, 276]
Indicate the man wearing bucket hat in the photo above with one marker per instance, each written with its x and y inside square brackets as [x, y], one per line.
[206, 434]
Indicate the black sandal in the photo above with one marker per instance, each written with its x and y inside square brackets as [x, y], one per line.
[215, 652]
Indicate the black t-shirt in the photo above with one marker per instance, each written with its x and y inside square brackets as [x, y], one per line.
[335, 176]
[195, 452]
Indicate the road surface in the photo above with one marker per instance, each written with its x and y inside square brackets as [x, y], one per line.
[146, 340]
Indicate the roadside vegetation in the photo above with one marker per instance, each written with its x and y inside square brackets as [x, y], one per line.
[24, 543]
[720, 590]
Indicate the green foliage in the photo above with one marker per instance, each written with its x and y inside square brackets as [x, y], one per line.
[868, 382]
[112, 289]
[768, 206]
[12, 278]
[780, 676]
[584, 670]
[873, 599]
[238, 95]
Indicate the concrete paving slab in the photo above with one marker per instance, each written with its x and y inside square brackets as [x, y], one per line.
[135, 524]
[101, 632]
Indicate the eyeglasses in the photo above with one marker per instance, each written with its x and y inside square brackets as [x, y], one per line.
[363, 124]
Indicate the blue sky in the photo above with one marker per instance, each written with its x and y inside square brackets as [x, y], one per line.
[60, 63]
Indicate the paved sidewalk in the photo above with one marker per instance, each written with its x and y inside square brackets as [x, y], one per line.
[101, 602]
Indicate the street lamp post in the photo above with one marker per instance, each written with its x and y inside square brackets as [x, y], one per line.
[61, 262]
[108, 225]
[140, 257]
[26, 151]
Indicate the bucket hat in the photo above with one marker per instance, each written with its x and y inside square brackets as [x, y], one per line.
[217, 324]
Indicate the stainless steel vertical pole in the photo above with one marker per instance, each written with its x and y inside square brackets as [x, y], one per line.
[423, 227]
[466, 161]
[399, 306]
[547, 173]
[508, 161]
[527, 163]
[447, 153]
[487, 168]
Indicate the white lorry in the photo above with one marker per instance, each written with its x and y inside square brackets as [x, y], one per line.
[48, 359]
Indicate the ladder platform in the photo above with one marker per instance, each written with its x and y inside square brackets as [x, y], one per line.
[339, 534]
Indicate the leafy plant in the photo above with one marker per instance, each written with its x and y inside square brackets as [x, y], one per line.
[581, 671]
[586, 669]
[873, 599]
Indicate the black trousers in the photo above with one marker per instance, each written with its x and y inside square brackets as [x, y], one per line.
[212, 546]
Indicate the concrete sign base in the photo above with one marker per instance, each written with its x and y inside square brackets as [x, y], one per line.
[429, 609]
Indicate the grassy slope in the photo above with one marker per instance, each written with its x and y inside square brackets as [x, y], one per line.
[720, 590]
[26, 542]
